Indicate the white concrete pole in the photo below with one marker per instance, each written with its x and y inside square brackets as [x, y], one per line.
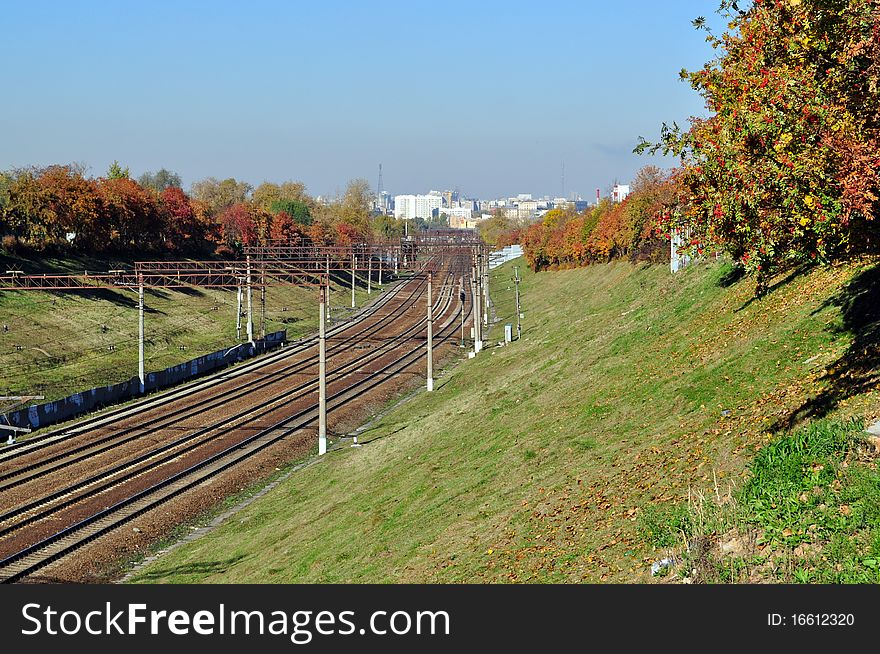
[461, 297]
[380, 267]
[485, 278]
[370, 271]
[238, 312]
[322, 375]
[263, 303]
[141, 372]
[478, 324]
[250, 304]
[430, 339]
[353, 263]
[518, 311]
[327, 298]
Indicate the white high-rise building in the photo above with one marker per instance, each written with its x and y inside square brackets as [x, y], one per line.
[407, 207]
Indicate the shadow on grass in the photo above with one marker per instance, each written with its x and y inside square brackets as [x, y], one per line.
[858, 369]
[792, 275]
[732, 276]
[199, 568]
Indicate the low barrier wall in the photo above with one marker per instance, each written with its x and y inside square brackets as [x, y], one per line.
[41, 415]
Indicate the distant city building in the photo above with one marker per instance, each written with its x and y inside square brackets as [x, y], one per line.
[563, 203]
[459, 217]
[408, 207]
[382, 203]
[619, 192]
[526, 209]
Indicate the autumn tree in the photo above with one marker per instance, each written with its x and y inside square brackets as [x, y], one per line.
[269, 193]
[239, 227]
[354, 208]
[286, 228]
[160, 180]
[72, 208]
[493, 227]
[27, 213]
[786, 168]
[131, 215]
[387, 227]
[185, 228]
[220, 195]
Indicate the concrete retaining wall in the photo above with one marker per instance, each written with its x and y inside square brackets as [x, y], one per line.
[41, 415]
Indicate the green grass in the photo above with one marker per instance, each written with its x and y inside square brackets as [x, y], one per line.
[808, 513]
[564, 457]
[60, 343]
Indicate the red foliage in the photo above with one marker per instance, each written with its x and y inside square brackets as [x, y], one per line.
[285, 228]
[182, 225]
[132, 215]
[605, 232]
[239, 228]
[346, 234]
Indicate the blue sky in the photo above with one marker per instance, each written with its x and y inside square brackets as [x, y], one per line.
[489, 97]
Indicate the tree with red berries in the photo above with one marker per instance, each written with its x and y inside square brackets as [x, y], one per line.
[787, 166]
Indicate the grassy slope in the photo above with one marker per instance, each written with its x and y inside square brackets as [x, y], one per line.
[64, 348]
[546, 460]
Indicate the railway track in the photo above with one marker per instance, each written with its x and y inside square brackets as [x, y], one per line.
[32, 443]
[23, 515]
[352, 379]
[103, 443]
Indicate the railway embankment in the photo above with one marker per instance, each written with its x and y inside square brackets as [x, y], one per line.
[643, 417]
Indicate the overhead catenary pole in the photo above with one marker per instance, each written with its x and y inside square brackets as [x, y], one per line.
[250, 304]
[518, 310]
[353, 263]
[461, 297]
[381, 252]
[430, 339]
[478, 337]
[322, 374]
[141, 372]
[486, 298]
[327, 298]
[238, 312]
[263, 303]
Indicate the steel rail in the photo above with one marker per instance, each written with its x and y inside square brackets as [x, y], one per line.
[25, 446]
[164, 421]
[191, 441]
[29, 559]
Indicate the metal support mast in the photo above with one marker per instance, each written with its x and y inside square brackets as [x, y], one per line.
[430, 338]
[322, 374]
[141, 372]
[250, 304]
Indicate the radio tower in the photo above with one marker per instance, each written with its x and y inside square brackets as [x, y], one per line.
[563, 179]
[381, 200]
